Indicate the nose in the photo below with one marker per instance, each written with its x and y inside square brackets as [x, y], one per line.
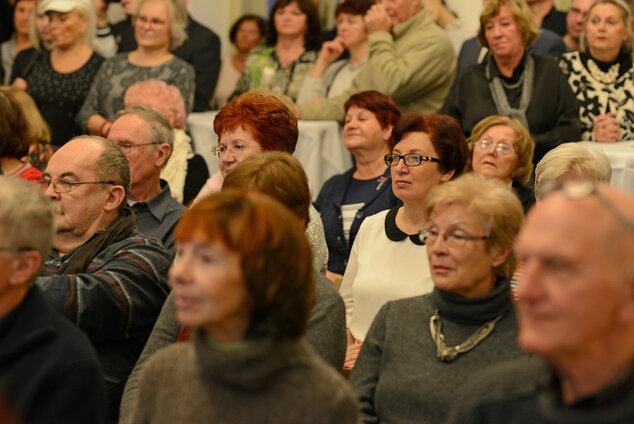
[400, 167]
[529, 281]
[179, 272]
[51, 193]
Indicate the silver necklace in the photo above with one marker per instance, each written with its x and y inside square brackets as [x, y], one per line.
[450, 353]
[604, 77]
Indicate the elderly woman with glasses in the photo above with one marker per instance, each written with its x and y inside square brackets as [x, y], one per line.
[501, 147]
[386, 262]
[420, 350]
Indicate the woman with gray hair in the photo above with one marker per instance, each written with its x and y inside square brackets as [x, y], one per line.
[601, 73]
[59, 80]
[420, 349]
[159, 27]
[570, 160]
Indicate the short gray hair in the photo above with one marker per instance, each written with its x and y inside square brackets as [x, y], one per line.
[26, 215]
[178, 20]
[571, 158]
[160, 130]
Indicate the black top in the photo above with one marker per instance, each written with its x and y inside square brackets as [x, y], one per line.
[555, 21]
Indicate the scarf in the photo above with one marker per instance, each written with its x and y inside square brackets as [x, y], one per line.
[499, 95]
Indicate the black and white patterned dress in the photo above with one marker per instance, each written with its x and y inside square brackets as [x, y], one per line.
[598, 97]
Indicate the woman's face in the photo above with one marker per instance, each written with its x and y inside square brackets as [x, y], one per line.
[412, 183]
[459, 266]
[66, 29]
[248, 36]
[605, 29]
[351, 29]
[209, 289]
[362, 131]
[488, 161]
[239, 145]
[152, 27]
[503, 35]
[290, 20]
[42, 24]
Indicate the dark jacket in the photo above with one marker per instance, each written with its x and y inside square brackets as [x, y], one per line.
[525, 194]
[329, 203]
[49, 372]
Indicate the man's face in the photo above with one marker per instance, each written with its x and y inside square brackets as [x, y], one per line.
[132, 135]
[576, 16]
[400, 10]
[22, 15]
[80, 212]
[568, 298]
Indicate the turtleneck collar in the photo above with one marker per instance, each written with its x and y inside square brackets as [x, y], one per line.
[474, 310]
[396, 234]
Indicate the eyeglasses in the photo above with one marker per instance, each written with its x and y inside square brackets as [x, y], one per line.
[578, 189]
[64, 186]
[501, 148]
[126, 148]
[235, 150]
[15, 249]
[153, 22]
[455, 238]
[410, 159]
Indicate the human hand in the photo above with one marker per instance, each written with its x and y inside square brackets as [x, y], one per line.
[377, 19]
[20, 83]
[606, 128]
[352, 352]
[331, 50]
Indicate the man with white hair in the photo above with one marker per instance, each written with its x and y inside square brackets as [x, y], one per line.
[576, 314]
[102, 273]
[411, 60]
[49, 372]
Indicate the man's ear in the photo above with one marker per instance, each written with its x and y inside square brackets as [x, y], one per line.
[163, 152]
[116, 196]
[24, 267]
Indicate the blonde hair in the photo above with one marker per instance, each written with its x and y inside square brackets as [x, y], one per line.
[573, 160]
[499, 208]
[38, 129]
[521, 14]
[625, 15]
[523, 144]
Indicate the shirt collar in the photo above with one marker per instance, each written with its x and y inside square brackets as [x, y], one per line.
[396, 234]
[159, 204]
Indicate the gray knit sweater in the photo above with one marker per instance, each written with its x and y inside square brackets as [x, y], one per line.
[399, 379]
[266, 381]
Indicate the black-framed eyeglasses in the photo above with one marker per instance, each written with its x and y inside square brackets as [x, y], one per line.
[410, 159]
[578, 189]
[15, 249]
[455, 238]
[235, 150]
[501, 148]
[127, 148]
[64, 186]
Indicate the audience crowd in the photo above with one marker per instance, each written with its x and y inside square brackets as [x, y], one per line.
[446, 277]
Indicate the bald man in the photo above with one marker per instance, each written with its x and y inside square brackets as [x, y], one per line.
[576, 314]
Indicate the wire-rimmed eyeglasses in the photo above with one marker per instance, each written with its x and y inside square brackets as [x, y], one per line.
[64, 186]
[235, 150]
[501, 148]
[410, 159]
[454, 238]
[126, 148]
[15, 249]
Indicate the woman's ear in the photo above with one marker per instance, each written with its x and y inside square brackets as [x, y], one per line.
[446, 176]
[500, 256]
[387, 132]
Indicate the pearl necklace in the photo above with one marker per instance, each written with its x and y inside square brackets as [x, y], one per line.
[604, 77]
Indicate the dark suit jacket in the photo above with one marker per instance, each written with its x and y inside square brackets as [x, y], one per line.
[201, 49]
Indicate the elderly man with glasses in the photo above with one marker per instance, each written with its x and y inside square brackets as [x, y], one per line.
[101, 273]
[576, 315]
[146, 138]
[48, 370]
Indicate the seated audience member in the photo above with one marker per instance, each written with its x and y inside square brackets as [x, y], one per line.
[49, 372]
[255, 380]
[466, 324]
[250, 124]
[502, 148]
[387, 261]
[512, 83]
[40, 36]
[101, 273]
[59, 80]
[583, 365]
[293, 34]
[345, 200]
[571, 161]
[411, 60]
[280, 176]
[39, 134]
[575, 22]
[200, 48]
[19, 40]
[146, 138]
[245, 33]
[185, 171]
[601, 73]
[14, 140]
[151, 59]
[546, 15]
[331, 77]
